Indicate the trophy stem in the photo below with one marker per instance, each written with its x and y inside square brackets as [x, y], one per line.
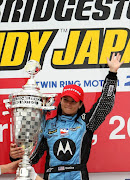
[24, 169]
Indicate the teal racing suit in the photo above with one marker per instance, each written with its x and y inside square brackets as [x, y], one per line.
[68, 139]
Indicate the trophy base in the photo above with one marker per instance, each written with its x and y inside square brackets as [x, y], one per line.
[23, 174]
[22, 178]
[24, 171]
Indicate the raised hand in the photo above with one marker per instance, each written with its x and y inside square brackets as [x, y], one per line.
[114, 64]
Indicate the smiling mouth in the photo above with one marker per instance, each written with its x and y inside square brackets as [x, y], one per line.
[68, 108]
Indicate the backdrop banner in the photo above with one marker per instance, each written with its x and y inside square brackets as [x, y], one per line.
[71, 39]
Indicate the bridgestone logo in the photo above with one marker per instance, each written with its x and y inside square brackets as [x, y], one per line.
[70, 89]
[26, 11]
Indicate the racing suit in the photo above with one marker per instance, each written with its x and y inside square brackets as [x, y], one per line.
[67, 139]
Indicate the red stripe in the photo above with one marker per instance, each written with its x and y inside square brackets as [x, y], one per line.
[7, 83]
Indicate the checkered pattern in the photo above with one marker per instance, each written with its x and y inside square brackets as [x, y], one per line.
[26, 125]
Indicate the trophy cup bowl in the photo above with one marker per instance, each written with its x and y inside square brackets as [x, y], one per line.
[26, 129]
[26, 107]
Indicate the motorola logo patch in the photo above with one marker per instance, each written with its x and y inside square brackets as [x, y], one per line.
[64, 149]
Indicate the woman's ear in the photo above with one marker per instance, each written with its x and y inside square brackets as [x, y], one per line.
[80, 105]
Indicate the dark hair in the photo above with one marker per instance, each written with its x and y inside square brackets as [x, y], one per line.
[79, 112]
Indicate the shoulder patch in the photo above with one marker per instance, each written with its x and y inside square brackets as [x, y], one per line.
[83, 116]
[110, 90]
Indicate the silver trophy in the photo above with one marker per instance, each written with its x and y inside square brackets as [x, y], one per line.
[27, 108]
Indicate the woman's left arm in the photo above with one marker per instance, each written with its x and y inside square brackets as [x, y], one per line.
[105, 103]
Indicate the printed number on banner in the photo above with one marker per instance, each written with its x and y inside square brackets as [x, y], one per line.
[114, 134]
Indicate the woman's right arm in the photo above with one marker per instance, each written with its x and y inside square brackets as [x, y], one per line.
[17, 152]
[39, 151]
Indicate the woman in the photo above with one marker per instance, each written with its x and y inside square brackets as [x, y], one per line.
[67, 137]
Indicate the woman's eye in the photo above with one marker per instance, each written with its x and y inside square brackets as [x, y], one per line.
[66, 100]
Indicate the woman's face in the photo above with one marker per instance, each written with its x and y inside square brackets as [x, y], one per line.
[69, 106]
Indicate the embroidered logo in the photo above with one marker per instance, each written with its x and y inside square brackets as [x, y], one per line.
[64, 149]
[52, 131]
[64, 132]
